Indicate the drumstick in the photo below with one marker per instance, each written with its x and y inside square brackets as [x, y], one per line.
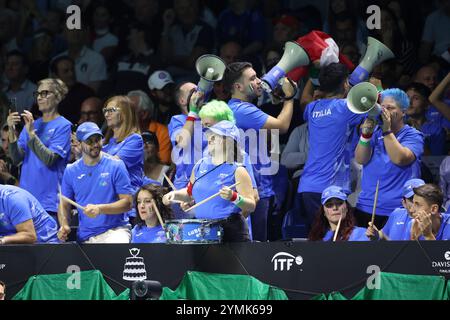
[161, 222]
[72, 202]
[209, 198]
[375, 202]
[337, 229]
[170, 182]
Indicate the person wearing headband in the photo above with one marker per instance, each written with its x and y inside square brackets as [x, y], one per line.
[216, 173]
[335, 215]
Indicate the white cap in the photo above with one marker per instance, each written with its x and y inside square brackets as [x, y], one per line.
[159, 79]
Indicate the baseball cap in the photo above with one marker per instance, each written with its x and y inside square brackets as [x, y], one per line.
[287, 20]
[86, 130]
[333, 192]
[159, 79]
[226, 128]
[408, 187]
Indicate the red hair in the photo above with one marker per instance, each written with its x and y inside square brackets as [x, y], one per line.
[321, 225]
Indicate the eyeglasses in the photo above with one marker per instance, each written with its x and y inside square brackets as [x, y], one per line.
[112, 109]
[331, 204]
[43, 93]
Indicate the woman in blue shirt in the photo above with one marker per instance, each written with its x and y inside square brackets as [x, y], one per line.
[148, 229]
[215, 174]
[123, 139]
[43, 145]
[334, 208]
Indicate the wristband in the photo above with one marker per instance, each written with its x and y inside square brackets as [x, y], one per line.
[238, 201]
[387, 133]
[189, 188]
[190, 118]
[193, 114]
[364, 143]
[367, 136]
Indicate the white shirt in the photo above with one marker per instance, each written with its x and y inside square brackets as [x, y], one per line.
[90, 66]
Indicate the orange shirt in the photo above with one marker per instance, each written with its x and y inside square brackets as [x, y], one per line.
[165, 146]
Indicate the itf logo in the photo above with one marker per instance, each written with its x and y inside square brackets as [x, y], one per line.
[283, 261]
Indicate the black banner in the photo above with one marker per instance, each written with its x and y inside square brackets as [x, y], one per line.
[302, 269]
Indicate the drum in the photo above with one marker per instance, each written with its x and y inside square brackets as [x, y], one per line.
[188, 231]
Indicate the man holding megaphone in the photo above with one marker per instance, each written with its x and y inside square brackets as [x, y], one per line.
[241, 81]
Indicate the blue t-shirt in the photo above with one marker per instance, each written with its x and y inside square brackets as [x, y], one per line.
[42, 181]
[131, 152]
[185, 158]
[97, 184]
[434, 132]
[444, 230]
[209, 179]
[392, 177]
[398, 226]
[330, 128]
[248, 116]
[144, 234]
[17, 206]
[358, 234]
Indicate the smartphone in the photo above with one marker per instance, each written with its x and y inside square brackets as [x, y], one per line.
[12, 104]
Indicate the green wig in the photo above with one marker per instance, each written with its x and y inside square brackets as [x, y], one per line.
[217, 110]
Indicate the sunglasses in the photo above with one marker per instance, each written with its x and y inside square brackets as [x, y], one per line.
[112, 109]
[43, 93]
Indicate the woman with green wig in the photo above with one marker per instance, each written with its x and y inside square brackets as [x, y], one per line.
[216, 173]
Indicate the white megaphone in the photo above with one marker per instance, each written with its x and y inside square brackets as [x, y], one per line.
[294, 56]
[376, 53]
[210, 68]
[363, 98]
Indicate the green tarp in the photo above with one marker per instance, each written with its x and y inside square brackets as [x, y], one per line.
[89, 286]
[394, 286]
[208, 286]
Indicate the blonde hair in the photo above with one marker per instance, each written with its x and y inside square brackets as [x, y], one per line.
[129, 123]
[59, 87]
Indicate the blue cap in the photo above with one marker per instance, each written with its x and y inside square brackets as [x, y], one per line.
[333, 192]
[87, 129]
[408, 187]
[226, 128]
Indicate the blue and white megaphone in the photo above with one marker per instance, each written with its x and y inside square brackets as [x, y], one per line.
[376, 53]
[294, 56]
[210, 68]
[363, 98]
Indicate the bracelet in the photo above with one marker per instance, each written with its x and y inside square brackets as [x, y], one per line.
[193, 114]
[239, 201]
[189, 188]
[387, 133]
[367, 136]
[364, 143]
[234, 196]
